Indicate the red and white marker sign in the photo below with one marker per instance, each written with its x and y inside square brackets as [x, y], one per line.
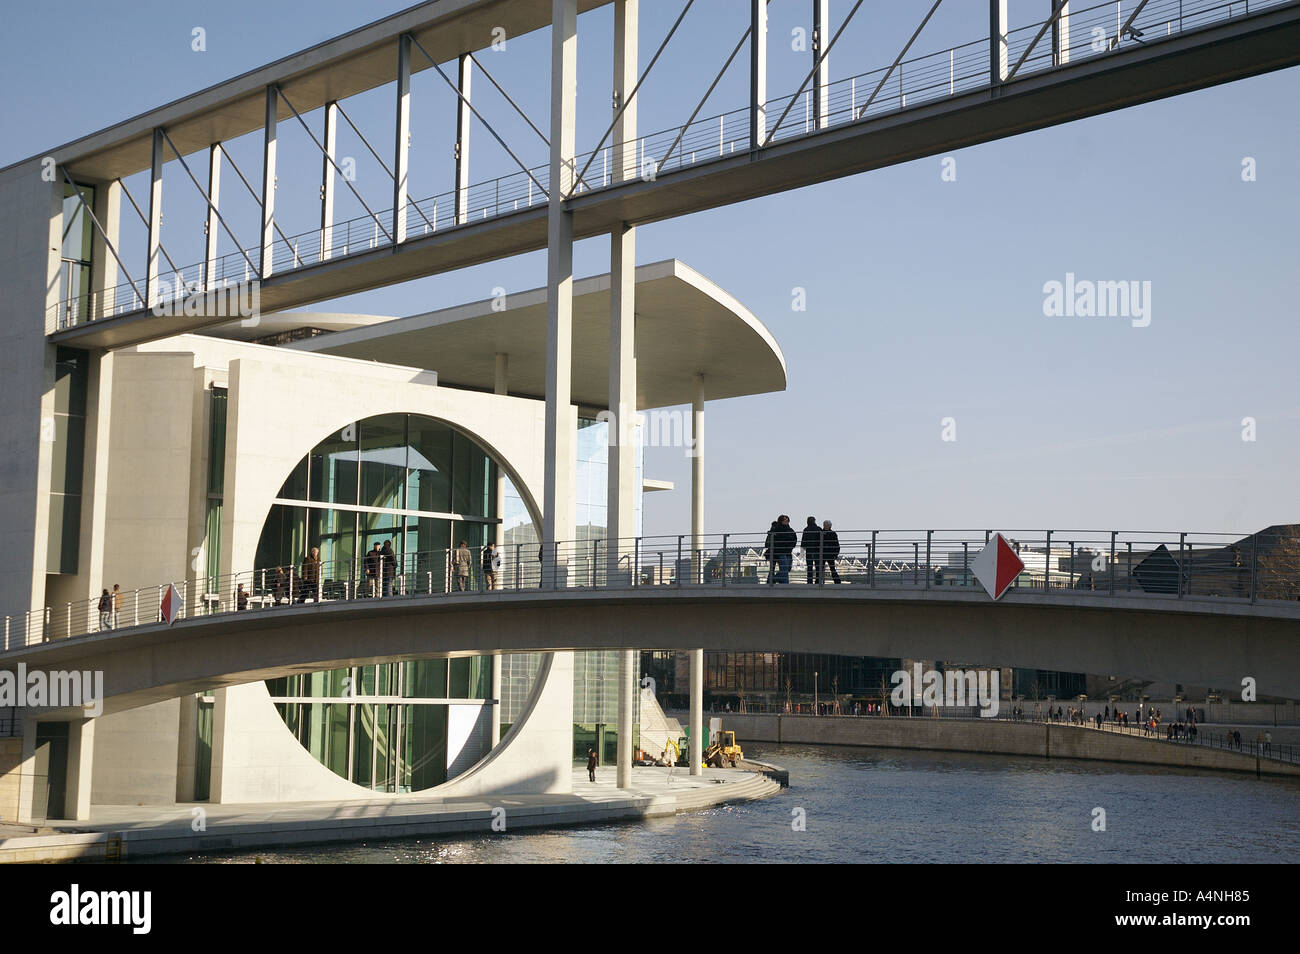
[170, 608]
[997, 566]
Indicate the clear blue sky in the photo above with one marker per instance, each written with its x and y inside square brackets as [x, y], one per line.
[924, 297]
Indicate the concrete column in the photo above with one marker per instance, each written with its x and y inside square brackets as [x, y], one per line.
[758, 73]
[822, 81]
[213, 225]
[622, 398]
[697, 711]
[627, 673]
[154, 240]
[463, 116]
[402, 143]
[557, 518]
[997, 41]
[1060, 34]
[103, 266]
[327, 180]
[621, 497]
[268, 180]
[697, 476]
[28, 790]
[496, 701]
[626, 28]
[81, 761]
[501, 374]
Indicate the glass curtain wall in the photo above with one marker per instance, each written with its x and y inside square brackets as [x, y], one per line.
[411, 483]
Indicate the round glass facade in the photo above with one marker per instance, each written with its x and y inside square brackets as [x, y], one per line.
[417, 487]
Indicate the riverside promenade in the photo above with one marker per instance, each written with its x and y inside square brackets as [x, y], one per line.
[1057, 740]
[118, 832]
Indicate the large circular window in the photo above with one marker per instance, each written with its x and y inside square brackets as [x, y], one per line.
[417, 487]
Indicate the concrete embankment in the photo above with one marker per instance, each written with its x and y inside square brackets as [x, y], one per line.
[120, 832]
[1058, 741]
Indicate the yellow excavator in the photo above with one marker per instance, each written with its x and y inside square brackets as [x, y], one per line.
[723, 749]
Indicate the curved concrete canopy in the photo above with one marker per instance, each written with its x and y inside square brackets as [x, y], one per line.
[1212, 642]
[685, 324]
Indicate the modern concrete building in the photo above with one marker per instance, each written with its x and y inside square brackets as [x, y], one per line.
[201, 457]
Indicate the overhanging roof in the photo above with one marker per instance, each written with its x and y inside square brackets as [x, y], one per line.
[685, 324]
[336, 69]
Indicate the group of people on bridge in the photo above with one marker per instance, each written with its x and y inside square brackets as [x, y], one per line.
[820, 545]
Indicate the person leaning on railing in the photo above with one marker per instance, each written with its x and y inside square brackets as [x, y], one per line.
[371, 564]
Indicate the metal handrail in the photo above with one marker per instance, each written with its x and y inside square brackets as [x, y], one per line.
[922, 78]
[1114, 565]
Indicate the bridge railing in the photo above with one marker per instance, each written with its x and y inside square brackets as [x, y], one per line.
[1174, 566]
[1094, 31]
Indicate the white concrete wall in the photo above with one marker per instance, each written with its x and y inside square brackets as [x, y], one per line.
[29, 259]
[135, 756]
[469, 736]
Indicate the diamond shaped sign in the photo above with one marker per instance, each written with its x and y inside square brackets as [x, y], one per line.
[170, 607]
[997, 566]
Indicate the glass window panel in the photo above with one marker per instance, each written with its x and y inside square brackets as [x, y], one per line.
[363, 744]
[383, 461]
[425, 731]
[295, 487]
[335, 533]
[425, 679]
[429, 459]
[463, 457]
[333, 464]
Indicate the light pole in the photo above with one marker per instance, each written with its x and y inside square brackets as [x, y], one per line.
[816, 708]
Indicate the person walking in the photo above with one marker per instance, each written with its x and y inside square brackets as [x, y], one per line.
[241, 598]
[105, 612]
[489, 566]
[372, 570]
[310, 576]
[592, 762]
[463, 561]
[280, 585]
[117, 605]
[811, 541]
[388, 567]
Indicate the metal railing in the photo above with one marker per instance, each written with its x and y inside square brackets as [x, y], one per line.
[1173, 566]
[1094, 32]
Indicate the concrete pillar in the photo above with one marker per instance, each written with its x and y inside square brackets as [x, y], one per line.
[758, 73]
[268, 180]
[627, 673]
[697, 711]
[501, 374]
[496, 701]
[622, 401]
[463, 116]
[81, 761]
[697, 477]
[28, 791]
[822, 81]
[213, 225]
[154, 238]
[402, 139]
[622, 490]
[103, 266]
[997, 41]
[557, 509]
[327, 180]
[1060, 34]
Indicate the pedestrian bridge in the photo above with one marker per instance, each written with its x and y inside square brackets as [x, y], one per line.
[1212, 641]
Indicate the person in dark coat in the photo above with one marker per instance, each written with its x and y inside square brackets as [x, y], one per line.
[592, 762]
[811, 541]
[769, 555]
[830, 550]
[388, 565]
[781, 541]
[310, 576]
[372, 570]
